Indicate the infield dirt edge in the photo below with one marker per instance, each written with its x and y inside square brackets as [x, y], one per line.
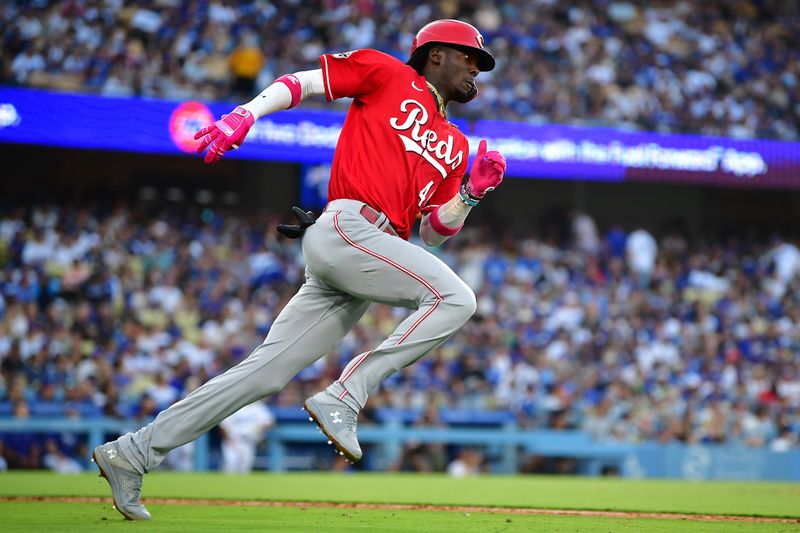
[414, 507]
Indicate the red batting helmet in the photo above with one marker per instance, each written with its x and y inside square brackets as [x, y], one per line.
[449, 31]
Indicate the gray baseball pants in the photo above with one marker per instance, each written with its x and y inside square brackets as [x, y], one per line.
[350, 262]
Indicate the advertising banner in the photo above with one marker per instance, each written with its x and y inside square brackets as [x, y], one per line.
[309, 136]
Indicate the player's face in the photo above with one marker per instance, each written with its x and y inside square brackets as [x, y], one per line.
[460, 68]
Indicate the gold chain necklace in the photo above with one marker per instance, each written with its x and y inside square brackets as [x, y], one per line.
[439, 99]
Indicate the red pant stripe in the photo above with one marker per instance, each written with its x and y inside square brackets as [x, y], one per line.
[402, 269]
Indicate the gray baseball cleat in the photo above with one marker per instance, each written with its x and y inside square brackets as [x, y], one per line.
[125, 481]
[337, 420]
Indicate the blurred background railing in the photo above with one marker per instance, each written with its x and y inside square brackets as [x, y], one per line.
[496, 440]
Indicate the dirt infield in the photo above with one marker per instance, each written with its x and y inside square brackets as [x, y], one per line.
[415, 507]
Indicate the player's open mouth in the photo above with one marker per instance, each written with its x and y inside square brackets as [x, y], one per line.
[470, 85]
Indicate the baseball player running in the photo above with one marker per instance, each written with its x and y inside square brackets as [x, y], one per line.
[397, 157]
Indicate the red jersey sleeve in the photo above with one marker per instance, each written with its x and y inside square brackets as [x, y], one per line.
[355, 74]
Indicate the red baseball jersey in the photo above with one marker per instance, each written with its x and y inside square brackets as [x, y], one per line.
[396, 152]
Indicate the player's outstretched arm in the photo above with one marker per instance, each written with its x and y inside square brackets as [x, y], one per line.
[446, 220]
[229, 132]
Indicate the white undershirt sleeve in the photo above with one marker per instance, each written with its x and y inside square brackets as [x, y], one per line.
[277, 96]
[452, 214]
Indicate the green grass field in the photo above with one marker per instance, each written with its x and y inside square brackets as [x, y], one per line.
[698, 498]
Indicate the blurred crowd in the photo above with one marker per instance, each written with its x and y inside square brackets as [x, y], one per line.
[715, 68]
[627, 335]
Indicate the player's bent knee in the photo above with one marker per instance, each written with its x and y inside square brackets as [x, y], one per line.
[471, 304]
[463, 304]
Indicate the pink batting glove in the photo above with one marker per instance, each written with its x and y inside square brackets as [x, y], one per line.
[487, 171]
[225, 134]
